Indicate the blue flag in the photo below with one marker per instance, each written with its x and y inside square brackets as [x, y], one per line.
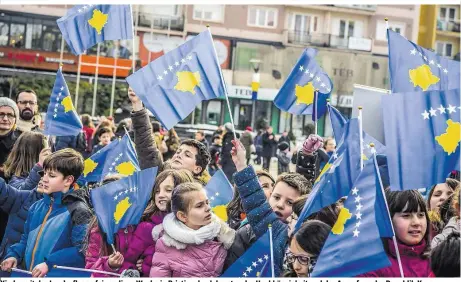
[174, 84]
[413, 68]
[431, 120]
[61, 118]
[337, 122]
[297, 93]
[86, 25]
[337, 176]
[220, 192]
[121, 203]
[117, 157]
[255, 262]
[354, 245]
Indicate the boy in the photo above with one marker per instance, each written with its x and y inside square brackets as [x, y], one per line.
[57, 224]
[260, 213]
[282, 157]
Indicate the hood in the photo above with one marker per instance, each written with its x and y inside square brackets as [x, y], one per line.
[77, 195]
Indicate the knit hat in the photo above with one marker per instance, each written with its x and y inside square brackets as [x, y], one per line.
[228, 127]
[312, 144]
[248, 128]
[283, 146]
[7, 102]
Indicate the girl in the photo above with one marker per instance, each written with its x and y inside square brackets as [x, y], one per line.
[453, 224]
[88, 128]
[411, 222]
[104, 135]
[324, 153]
[304, 248]
[437, 196]
[194, 240]
[134, 244]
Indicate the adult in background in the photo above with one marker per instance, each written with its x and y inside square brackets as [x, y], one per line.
[215, 152]
[226, 162]
[269, 147]
[259, 146]
[29, 117]
[247, 141]
[172, 143]
[200, 136]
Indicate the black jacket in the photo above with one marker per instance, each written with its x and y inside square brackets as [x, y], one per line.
[244, 238]
[269, 145]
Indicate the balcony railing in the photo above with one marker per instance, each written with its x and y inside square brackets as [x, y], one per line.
[329, 40]
[161, 21]
[358, 7]
[451, 25]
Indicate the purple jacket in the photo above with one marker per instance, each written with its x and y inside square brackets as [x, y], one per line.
[413, 265]
[132, 242]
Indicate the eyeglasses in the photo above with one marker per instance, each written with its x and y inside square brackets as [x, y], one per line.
[9, 116]
[32, 103]
[302, 259]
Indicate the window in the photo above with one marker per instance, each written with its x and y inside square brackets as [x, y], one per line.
[17, 35]
[444, 48]
[4, 32]
[381, 30]
[303, 23]
[262, 17]
[346, 28]
[213, 13]
[34, 35]
[447, 13]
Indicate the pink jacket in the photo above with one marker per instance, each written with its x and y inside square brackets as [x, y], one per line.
[132, 242]
[413, 265]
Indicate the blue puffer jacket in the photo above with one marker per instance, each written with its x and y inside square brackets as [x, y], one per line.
[260, 215]
[15, 200]
[53, 233]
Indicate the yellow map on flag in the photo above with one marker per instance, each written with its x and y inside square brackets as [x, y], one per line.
[126, 168]
[220, 211]
[67, 103]
[325, 168]
[98, 21]
[343, 216]
[305, 94]
[89, 166]
[451, 138]
[187, 81]
[422, 76]
[121, 209]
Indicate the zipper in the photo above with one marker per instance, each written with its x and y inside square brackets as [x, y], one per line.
[39, 234]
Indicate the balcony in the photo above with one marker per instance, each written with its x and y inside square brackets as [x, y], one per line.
[161, 22]
[358, 7]
[448, 26]
[329, 40]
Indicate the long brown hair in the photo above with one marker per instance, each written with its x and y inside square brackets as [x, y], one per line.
[24, 154]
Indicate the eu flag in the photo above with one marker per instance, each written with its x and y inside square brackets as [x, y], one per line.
[121, 203]
[297, 93]
[220, 193]
[354, 245]
[255, 262]
[117, 157]
[172, 85]
[413, 68]
[86, 25]
[61, 118]
[422, 132]
[338, 175]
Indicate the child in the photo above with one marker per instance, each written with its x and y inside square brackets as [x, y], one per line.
[194, 240]
[306, 159]
[104, 135]
[437, 196]
[445, 257]
[282, 157]
[56, 225]
[260, 212]
[453, 224]
[134, 242]
[411, 225]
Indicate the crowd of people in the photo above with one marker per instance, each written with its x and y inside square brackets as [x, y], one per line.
[46, 219]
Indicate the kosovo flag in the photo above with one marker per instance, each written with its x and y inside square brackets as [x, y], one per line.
[220, 193]
[61, 118]
[337, 122]
[172, 85]
[86, 25]
[430, 122]
[338, 175]
[413, 68]
[354, 245]
[255, 262]
[297, 93]
[119, 157]
[121, 203]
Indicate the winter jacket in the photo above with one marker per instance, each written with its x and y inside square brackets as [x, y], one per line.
[306, 165]
[244, 238]
[453, 225]
[184, 252]
[260, 215]
[247, 141]
[15, 200]
[96, 148]
[132, 242]
[269, 145]
[412, 263]
[227, 165]
[53, 233]
[283, 162]
[285, 139]
[63, 142]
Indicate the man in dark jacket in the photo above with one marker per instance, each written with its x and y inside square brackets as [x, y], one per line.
[247, 141]
[215, 152]
[269, 147]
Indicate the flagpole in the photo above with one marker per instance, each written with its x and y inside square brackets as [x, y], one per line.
[397, 252]
[271, 244]
[361, 137]
[114, 76]
[151, 36]
[316, 94]
[387, 22]
[86, 270]
[95, 88]
[21, 271]
[78, 80]
[225, 86]
[61, 55]
[133, 27]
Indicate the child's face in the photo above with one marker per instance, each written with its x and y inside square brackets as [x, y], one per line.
[54, 181]
[163, 194]
[185, 157]
[105, 139]
[410, 227]
[199, 213]
[299, 259]
[441, 193]
[267, 185]
[282, 198]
